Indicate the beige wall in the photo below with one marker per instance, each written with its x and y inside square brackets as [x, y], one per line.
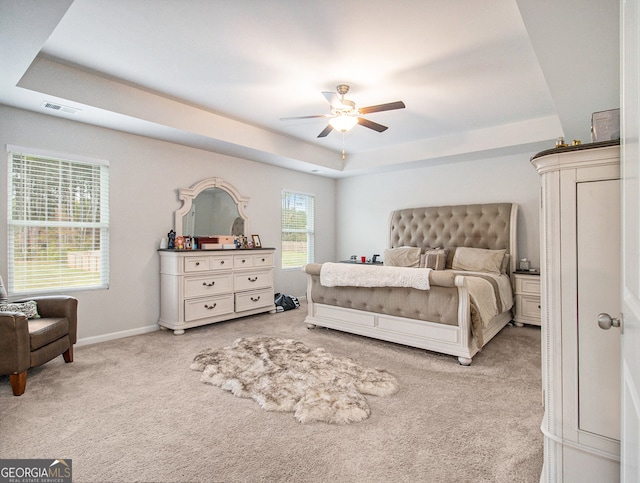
[351, 214]
[365, 203]
[145, 175]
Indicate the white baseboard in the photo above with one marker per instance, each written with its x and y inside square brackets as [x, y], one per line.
[128, 333]
[116, 335]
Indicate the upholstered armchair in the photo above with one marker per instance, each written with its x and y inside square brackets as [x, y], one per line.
[30, 342]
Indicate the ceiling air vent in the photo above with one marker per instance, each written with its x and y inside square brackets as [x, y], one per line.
[60, 108]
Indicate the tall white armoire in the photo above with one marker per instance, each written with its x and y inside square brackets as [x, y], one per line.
[580, 279]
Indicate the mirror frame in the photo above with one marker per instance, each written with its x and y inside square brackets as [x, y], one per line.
[187, 195]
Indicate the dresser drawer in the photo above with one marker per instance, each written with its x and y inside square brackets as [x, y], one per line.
[254, 299]
[207, 285]
[265, 260]
[208, 307]
[252, 280]
[196, 264]
[243, 261]
[528, 285]
[203, 264]
[221, 262]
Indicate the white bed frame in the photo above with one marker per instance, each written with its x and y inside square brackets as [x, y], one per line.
[447, 339]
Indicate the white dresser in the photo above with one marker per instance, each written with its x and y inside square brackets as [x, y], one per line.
[199, 287]
[580, 278]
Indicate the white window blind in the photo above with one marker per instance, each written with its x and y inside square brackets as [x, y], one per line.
[58, 223]
[298, 229]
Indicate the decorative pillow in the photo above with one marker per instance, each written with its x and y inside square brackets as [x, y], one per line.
[30, 308]
[434, 258]
[478, 259]
[402, 257]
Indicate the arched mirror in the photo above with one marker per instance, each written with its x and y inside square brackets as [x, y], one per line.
[211, 207]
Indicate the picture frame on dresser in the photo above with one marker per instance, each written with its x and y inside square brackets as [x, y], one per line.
[256, 241]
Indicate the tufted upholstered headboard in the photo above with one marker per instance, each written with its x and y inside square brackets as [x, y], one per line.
[491, 225]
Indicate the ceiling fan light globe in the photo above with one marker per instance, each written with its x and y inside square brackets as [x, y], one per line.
[343, 123]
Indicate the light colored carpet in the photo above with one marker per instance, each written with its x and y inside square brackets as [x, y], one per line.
[132, 410]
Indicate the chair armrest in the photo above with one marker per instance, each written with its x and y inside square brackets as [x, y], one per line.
[15, 344]
[59, 306]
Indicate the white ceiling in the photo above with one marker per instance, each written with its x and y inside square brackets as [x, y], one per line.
[476, 76]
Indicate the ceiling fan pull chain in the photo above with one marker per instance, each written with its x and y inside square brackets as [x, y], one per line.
[343, 146]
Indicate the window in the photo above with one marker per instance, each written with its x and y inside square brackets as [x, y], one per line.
[298, 230]
[58, 222]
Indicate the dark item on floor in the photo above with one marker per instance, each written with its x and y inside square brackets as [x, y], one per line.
[285, 302]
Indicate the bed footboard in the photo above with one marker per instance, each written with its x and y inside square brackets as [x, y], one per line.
[438, 319]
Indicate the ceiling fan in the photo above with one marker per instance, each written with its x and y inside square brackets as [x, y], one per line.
[344, 114]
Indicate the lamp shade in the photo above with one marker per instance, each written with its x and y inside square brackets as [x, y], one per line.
[343, 122]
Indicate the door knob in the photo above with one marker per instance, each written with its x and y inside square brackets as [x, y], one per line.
[605, 321]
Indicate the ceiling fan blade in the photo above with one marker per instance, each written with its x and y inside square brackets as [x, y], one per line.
[390, 106]
[304, 117]
[371, 125]
[333, 98]
[325, 131]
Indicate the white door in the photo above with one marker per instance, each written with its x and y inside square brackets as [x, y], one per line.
[630, 167]
[599, 251]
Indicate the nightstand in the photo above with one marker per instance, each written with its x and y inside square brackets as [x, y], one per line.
[527, 298]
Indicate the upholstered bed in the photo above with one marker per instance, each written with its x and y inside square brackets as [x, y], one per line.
[448, 289]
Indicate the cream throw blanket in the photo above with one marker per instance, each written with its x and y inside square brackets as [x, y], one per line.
[352, 275]
[488, 302]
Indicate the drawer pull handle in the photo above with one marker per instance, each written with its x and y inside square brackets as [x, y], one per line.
[209, 284]
[256, 299]
[197, 263]
[252, 279]
[210, 306]
[263, 259]
[221, 262]
[243, 260]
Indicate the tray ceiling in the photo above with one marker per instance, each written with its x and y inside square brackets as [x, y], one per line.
[493, 76]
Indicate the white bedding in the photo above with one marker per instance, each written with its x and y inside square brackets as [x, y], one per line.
[353, 275]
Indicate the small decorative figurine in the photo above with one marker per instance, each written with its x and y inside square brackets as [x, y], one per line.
[172, 239]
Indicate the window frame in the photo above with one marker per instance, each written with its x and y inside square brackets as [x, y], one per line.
[308, 230]
[102, 226]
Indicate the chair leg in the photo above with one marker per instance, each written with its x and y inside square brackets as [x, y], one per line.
[68, 354]
[18, 383]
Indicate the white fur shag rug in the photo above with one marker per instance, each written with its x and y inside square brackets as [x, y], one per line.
[286, 375]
